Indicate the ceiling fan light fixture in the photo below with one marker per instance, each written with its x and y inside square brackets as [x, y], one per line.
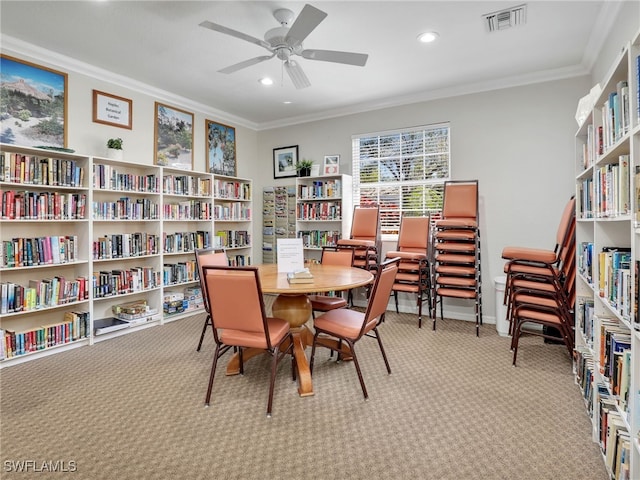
[266, 81]
[428, 37]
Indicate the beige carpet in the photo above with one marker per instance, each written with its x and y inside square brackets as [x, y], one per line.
[454, 408]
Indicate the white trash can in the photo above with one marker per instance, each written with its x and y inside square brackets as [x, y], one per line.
[502, 324]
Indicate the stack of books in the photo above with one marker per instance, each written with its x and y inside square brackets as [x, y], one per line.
[300, 276]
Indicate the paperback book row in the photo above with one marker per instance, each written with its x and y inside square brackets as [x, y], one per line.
[107, 177]
[614, 279]
[319, 211]
[232, 211]
[319, 238]
[31, 169]
[27, 205]
[180, 302]
[615, 359]
[616, 115]
[231, 189]
[75, 326]
[232, 239]
[28, 252]
[321, 189]
[181, 272]
[186, 185]
[43, 293]
[607, 195]
[125, 209]
[187, 210]
[613, 435]
[185, 242]
[117, 282]
[125, 245]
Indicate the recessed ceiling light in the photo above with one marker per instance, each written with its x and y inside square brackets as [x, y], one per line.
[287, 102]
[266, 81]
[428, 37]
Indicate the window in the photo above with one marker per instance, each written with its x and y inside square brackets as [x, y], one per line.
[402, 171]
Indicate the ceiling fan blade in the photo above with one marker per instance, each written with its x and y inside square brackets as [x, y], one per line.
[235, 33]
[296, 74]
[350, 58]
[309, 18]
[246, 63]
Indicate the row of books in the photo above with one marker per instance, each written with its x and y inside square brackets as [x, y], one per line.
[319, 238]
[125, 245]
[117, 282]
[608, 193]
[585, 261]
[125, 209]
[43, 293]
[319, 211]
[28, 205]
[232, 238]
[186, 185]
[585, 369]
[614, 279]
[185, 242]
[27, 252]
[239, 260]
[31, 169]
[187, 210]
[616, 115]
[107, 177]
[231, 189]
[585, 311]
[232, 211]
[613, 435]
[614, 361]
[321, 189]
[74, 327]
[180, 272]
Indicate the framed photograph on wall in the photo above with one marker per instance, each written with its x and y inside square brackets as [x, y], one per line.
[173, 137]
[112, 110]
[284, 161]
[221, 148]
[34, 104]
[331, 165]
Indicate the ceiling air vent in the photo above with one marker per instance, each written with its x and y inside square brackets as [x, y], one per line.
[507, 18]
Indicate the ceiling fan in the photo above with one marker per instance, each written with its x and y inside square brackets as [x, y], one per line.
[286, 41]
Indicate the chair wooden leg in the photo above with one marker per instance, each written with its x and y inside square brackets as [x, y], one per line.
[207, 322]
[216, 355]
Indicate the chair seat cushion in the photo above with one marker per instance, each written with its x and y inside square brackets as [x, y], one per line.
[343, 322]
[457, 222]
[413, 256]
[325, 302]
[529, 254]
[356, 243]
[278, 328]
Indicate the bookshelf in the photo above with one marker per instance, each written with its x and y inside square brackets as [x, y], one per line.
[607, 321]
[45, 263]
[324, 208]
[232, 213]
[116, 233]
[278, 218]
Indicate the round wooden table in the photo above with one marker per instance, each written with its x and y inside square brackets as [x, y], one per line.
[293, 305]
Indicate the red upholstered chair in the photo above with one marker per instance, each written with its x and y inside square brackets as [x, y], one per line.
[414, 272]
[346, 326]
[206, 257]
[331, 256]
[239, 320]
[365, 237]
[457, 247]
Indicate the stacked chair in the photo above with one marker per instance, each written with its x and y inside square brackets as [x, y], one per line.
[456, 243]
[414, 271]
[365, 237]
[540, 286]
[207, 257]
[331, 256]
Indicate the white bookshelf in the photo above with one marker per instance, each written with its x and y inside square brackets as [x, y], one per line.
[233, 217]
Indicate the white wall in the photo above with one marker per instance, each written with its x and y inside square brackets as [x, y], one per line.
[518, 143]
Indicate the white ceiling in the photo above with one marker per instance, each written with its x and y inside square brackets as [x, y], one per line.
[160, 44]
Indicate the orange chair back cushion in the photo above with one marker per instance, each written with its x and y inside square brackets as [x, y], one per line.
[365, 223]
[414, 234]
[461, 201]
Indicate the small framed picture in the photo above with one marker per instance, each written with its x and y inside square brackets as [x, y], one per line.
[285, 160]
[221, 148]
[112, 110]
[331, 165]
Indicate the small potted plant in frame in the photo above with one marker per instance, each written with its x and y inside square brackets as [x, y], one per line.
[114, 148]
[304, 167]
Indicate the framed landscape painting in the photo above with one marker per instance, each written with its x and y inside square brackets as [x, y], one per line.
[285, 160]
[221, 148]
[174, 137]
[34, 104]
